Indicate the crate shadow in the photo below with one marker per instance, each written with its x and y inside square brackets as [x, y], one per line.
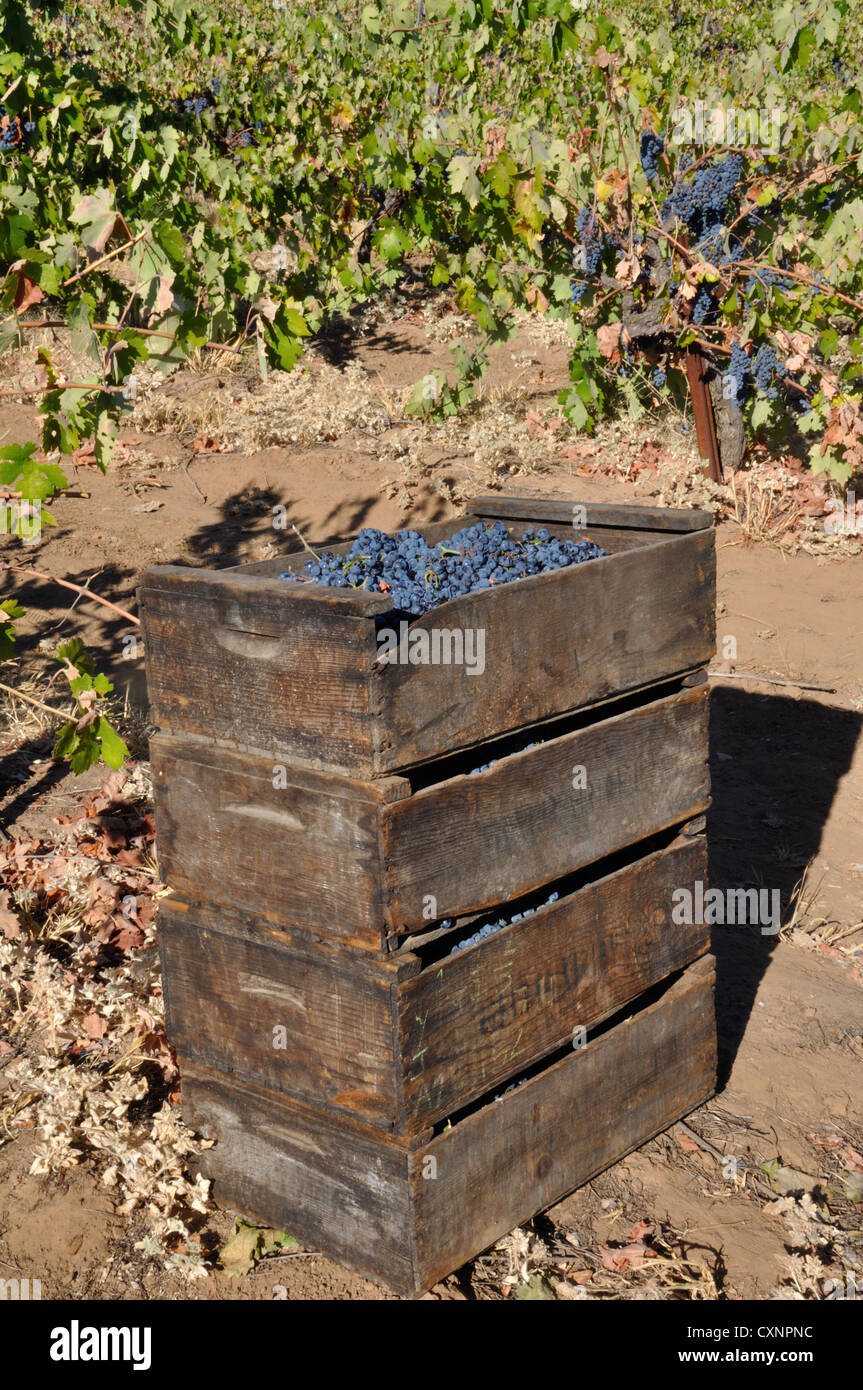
[222, 543]
[775, 763]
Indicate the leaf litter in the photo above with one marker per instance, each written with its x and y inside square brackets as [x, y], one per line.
[85, 1064]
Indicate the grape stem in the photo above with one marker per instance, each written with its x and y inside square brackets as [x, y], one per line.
[305, 543]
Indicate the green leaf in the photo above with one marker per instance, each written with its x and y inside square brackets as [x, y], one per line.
[828, 343]
[12, 611]
[95, 215]
[826, 461]
[296, 324]
[114, 750]
[760, 412]
[74, 653]
[35, 481]
[462, 177]
[390, 240]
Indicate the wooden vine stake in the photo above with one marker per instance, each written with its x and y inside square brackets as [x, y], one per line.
[702, 409]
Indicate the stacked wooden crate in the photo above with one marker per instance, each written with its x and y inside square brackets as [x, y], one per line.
[389, 1101]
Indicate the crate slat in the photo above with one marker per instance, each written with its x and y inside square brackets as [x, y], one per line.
[481, 839]
[296, 1168]
[545, 509]
[304, 855]
[289, 1013]
[479, 1016]
[518, 1155]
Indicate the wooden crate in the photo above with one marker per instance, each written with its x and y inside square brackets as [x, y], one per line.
[319, 814]
[245, 659]
[402, 1041]
[358, 861]
[407, 1214]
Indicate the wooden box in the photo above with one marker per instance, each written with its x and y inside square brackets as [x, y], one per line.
[366, 861]
[409, 1213]
[243, 658]
[331, 826]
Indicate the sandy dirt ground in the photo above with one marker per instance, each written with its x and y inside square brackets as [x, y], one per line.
[697, 1214]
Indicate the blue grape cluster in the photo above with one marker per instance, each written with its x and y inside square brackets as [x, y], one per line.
[490, 928]
[587, 256]
[193, 106]
[713, 248]
[419, 576]
[247, 137]
[738, 370]
[704, 304]
[764, 364]
[701, 202]
[766, 280]
[592, 240]
[658, 378]
[652, 146]
[14, 134]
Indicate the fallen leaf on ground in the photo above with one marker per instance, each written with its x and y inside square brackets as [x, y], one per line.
[633, 1256]
[535, 1288]
[688, 1145]
[783, 1179]
[248, 1244]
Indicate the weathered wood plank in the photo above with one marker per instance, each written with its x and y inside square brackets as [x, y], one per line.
[476, 1018]
[261, 664]
[498, 1167]
[477, 840]
[303, 853]
[545, 509]
[291, 1014]
[341, 1191]
[552, 644]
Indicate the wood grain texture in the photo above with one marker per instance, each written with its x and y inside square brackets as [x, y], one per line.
[291, 671]
[304, 855]
[256, 663]
[477, 1018]
[372, 1203]
[598, 513]
[553, 643]
[477, 840]
[342, 1191]
[291, 1014]
[497, 1168]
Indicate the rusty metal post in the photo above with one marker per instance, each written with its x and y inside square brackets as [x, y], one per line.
[702, 410]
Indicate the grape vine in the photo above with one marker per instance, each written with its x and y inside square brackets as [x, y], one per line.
[174, 175]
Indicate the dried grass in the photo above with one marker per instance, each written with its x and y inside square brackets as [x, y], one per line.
[764, 511]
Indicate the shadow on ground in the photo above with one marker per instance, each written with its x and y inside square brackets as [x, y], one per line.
[775, 764]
